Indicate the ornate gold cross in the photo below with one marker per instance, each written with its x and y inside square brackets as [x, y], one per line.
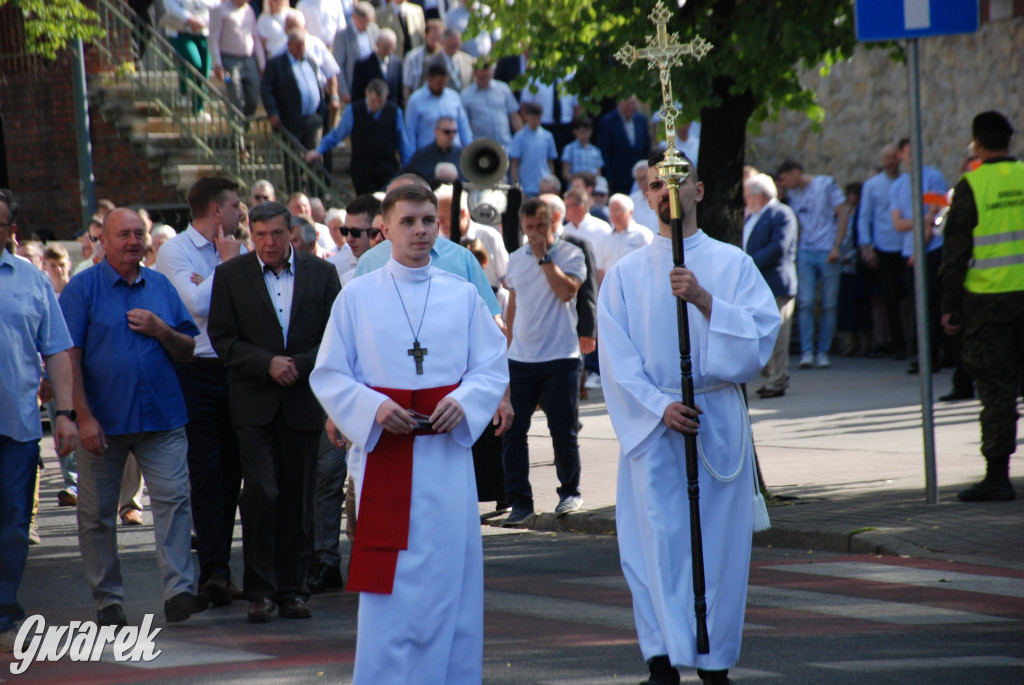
[664, 51]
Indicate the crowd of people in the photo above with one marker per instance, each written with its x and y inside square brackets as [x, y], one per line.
[292, 361]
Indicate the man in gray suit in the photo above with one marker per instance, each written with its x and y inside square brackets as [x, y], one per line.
[769, 237]
[268, 312]
[354, 43]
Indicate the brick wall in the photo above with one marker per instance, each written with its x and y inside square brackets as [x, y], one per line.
[37, 106]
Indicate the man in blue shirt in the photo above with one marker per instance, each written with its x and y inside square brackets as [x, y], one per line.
[431, 102]
[932, 183]
[30, 325]
[532, 154]
[820, 207]
[128, 325]
[881, 245]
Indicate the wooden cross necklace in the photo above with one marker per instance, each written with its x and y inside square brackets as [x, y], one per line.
[416, 351]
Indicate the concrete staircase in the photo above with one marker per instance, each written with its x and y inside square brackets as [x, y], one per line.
[155, 130]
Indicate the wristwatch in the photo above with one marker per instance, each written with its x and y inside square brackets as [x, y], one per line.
[70, 413]
[546, 259]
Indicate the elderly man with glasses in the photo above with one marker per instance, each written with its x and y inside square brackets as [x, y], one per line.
[443, 149]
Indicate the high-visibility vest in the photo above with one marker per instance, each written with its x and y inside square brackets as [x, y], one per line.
[997, 263]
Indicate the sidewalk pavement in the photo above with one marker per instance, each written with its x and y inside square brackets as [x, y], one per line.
[842, 457]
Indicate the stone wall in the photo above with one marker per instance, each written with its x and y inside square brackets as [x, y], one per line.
[866, 101]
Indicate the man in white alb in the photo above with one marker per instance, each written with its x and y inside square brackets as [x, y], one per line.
[411, 369]
[733, 322]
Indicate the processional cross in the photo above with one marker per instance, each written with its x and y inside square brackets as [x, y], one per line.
[664, 51]
[418, 353]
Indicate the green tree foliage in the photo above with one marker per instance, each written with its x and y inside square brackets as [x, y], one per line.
[51, 24]
[760, 49]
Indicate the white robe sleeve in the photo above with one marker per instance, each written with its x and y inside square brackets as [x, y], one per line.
[486, 375]
[635, 404]
[348, 402]
[743, 327]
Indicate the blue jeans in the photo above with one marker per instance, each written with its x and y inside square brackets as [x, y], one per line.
[18, 464]
[558, 381]
[812, 269]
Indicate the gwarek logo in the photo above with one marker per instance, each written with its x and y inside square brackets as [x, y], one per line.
[82, 641]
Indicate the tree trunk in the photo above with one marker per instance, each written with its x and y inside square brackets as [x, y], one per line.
[723, 136]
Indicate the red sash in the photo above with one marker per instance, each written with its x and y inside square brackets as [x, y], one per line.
[382, 525]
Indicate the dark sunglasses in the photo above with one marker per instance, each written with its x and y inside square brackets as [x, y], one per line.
[358, 232]
[261, 198]
[449, 131]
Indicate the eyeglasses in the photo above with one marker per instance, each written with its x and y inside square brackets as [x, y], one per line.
[448, 131]
[7, 225]
[358, 232]
[93, 238]
[261, 198]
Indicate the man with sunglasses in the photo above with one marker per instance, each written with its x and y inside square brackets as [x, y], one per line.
[443, 149]
[262, 191]
[331, 468]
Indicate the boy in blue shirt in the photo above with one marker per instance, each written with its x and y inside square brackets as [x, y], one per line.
[580, 155]
[532, 152]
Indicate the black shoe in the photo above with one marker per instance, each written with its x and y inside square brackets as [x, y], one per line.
[184, 604]
[217, 589]
[323, 578]
[520, 515]
[957, 394]
[714, 677]
[111, 615]
[662, 672]
[988, 491]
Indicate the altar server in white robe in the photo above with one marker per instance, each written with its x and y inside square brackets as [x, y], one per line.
[422, 336]
[733, 322]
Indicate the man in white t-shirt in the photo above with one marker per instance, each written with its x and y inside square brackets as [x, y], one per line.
[543, 278]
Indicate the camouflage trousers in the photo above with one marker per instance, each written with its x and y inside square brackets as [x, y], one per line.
[993, 354]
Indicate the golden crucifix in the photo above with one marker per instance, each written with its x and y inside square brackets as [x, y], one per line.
[665, 51]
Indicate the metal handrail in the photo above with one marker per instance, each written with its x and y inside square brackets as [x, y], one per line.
[242, 149]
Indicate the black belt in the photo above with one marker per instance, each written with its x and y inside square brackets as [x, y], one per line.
[204, 361]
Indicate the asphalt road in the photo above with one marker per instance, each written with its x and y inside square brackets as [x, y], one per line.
[558, 613]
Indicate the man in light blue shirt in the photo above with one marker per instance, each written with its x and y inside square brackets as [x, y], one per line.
[820, 207]
[492, 108]
[901, 202]
[431, 102]
[215, 472]
[31, 325]
[881, 245]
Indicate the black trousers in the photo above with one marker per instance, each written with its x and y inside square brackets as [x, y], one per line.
[278, 464]
[891, 267]
[214, 470]
[308, 134]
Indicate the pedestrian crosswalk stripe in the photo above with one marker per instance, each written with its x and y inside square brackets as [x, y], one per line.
[900, 613]
[176, 654]
[559, 609]
[908, 575]
[932, 664]
[691, 677]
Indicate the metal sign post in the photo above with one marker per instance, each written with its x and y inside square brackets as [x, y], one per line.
[913, 19]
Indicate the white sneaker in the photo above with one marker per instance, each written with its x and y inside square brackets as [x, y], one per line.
[593, 381]
[821, 361]
[807, 360]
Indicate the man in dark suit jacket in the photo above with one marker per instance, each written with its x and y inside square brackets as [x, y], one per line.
[769, 237]
[620, 152]
[268, 312]
[382, 64]
[297, 107]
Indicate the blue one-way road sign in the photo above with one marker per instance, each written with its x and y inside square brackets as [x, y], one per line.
[900, 19]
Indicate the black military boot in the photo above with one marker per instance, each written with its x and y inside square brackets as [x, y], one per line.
[662, 672]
